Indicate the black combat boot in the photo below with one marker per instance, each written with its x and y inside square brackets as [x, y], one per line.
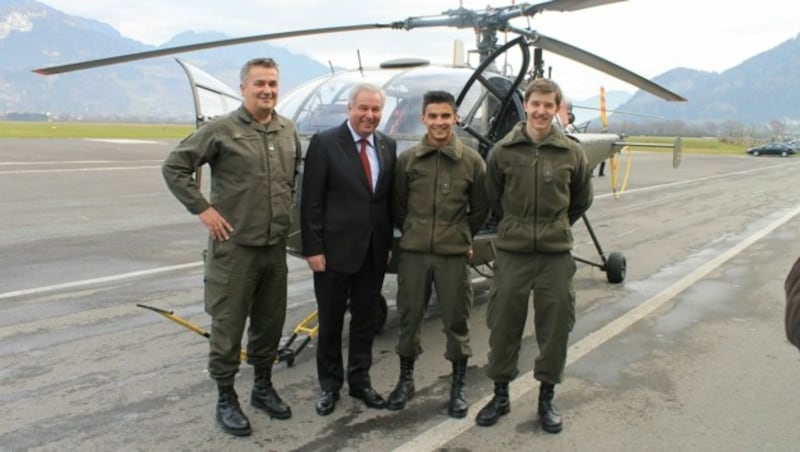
[498, 406]
[229, 413]
[404, 390]
[265, 397]
[548, 416]
[458, 401]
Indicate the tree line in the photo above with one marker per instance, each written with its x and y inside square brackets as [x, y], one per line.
[731, 131]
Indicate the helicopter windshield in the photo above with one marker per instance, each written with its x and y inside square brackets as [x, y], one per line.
[322, 103]
[211, 96]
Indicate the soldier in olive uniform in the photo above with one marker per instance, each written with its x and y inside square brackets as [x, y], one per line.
[439, 203]
[253, 153]
[792, 286]
[538, 184]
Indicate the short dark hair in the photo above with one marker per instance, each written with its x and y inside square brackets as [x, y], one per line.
[268, 63]
[544, 85]
[438, 97]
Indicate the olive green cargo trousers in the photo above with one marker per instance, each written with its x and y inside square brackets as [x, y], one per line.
[550, 278]
[417, 275]
[241, 282]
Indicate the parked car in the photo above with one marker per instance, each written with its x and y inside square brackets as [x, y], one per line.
[781, 149]
[794, 144]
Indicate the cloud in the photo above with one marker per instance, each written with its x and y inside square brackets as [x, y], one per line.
[648, 37]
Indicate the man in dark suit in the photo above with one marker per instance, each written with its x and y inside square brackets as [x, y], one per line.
[347, 236]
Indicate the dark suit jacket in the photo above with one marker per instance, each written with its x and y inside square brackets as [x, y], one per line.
[339, 213]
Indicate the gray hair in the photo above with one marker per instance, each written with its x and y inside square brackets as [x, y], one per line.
[365, 87]
[268, 63]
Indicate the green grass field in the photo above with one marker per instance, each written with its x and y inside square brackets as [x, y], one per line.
[22, 129]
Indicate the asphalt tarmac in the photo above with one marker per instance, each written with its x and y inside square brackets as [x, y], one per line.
[688, 353]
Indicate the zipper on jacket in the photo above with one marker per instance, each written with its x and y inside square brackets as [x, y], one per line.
[435, 199]
[265, 156]
[535, 193]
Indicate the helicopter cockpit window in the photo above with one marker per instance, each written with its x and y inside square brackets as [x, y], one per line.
[407, 90]
[405, 118]
[211, 96]
[483, 111]
[214, 104]
[322, 103]
[289, 104]
[505, 119]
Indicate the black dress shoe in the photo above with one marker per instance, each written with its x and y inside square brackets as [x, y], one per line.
[327, 402]
[370, 398]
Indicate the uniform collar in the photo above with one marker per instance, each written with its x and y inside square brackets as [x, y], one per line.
[518, 135]
[454, 149]
[278, 122]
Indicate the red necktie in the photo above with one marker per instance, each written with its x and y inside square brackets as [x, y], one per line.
[365, 162]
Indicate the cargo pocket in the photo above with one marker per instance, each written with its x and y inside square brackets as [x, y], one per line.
[218, 260]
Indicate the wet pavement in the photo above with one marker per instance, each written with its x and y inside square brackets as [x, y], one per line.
[688, 353]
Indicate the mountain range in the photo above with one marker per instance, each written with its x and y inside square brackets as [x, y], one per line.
[35, 35]
[762, 88]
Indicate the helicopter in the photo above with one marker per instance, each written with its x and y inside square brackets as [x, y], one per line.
[489, 97]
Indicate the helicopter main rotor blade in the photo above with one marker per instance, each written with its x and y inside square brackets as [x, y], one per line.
[572, 5]
[205, 45]
[596, 62]
[494, 17]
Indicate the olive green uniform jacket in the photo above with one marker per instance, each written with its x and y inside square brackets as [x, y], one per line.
[548, 188]
[253, 169]
[439, 203]
[538, 190]
[439, 200]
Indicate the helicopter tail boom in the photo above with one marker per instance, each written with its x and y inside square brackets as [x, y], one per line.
[600, 146]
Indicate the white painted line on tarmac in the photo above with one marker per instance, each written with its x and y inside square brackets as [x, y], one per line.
[692, 181]
[439, 435]
[121, 141]
[102, 280]
[72, 162]
[77, 170]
